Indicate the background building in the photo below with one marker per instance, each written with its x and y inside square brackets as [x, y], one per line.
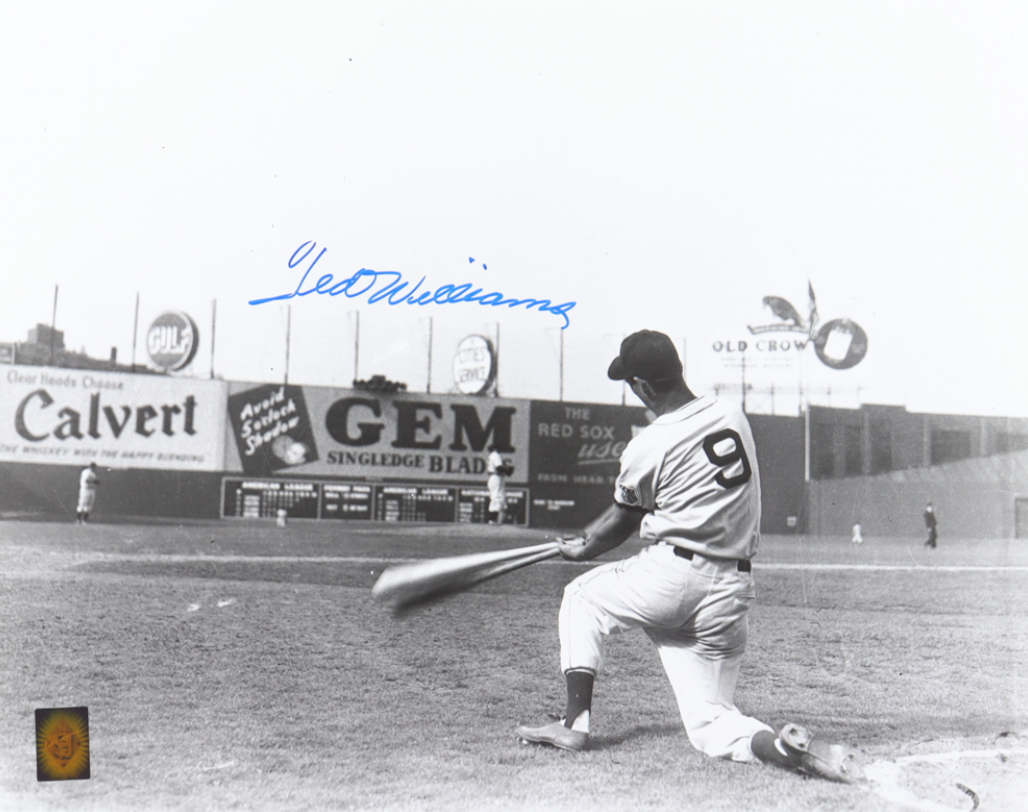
[45, 347]
[880, 465]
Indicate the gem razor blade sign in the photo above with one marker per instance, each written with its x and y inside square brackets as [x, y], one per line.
[401, 436]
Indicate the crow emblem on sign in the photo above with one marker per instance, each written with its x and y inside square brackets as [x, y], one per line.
[839, 343]
[790, 320]
[784, 310]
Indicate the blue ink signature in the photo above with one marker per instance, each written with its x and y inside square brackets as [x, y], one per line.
[394, 290]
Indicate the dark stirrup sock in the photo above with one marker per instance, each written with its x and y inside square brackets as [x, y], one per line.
[580, 694]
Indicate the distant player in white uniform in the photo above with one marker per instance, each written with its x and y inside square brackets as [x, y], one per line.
[498, 471]
[689, 484]
[88, 482]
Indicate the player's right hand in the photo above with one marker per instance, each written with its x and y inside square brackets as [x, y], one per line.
[573, 547]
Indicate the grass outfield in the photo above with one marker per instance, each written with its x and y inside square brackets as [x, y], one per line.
[239, 666]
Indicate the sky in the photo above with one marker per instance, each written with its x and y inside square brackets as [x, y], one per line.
[661, 165]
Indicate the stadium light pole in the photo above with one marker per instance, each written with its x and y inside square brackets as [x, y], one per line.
[805, 406]
[289, 330]
[428, 383]
[496, 364]
[561, 365]
[619, 337]
[214, 319]
[624, 384]
[135, 332]
[53, 326]
[743, 367]
[356, 344]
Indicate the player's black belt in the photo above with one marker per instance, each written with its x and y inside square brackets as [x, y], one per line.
[742, 564]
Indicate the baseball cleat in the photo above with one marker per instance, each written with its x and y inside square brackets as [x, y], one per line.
[554, 734]
[815, 757]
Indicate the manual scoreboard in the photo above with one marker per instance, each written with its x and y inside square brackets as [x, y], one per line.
[414, 503]
[262, 499]
[363, 501]
[341, 500]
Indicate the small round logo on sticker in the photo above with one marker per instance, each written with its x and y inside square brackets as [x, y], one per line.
[62, 744]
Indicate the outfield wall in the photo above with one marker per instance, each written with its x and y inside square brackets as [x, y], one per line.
[779, 442]
[52, 491]
[193, 448]
[565, 455]
[186, 447]
[975, 498]
[157, 440]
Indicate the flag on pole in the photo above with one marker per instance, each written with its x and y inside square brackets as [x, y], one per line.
[812, 308]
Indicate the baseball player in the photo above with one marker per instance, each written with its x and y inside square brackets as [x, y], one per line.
[88, 482]
[689, 484]
[932, 526]
[498, 471]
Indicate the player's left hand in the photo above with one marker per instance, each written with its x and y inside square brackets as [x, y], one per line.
[573, 547]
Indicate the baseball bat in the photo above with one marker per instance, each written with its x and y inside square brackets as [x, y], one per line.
[412, 583]
[509, 566]
[408, 583]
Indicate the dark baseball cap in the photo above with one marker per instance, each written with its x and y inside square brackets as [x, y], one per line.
[646, 354]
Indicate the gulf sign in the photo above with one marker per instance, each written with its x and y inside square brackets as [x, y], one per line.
[172, 341]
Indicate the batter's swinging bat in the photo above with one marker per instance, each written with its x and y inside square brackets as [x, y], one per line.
[408, 583]
[421, 581]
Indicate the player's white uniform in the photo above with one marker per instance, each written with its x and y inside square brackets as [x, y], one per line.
[87, 490]
[496, 483]
[694, 471]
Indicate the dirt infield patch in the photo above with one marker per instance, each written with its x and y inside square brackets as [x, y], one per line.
[956, 774]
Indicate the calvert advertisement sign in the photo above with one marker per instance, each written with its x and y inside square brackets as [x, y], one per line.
[61, 416]
[321, 431]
